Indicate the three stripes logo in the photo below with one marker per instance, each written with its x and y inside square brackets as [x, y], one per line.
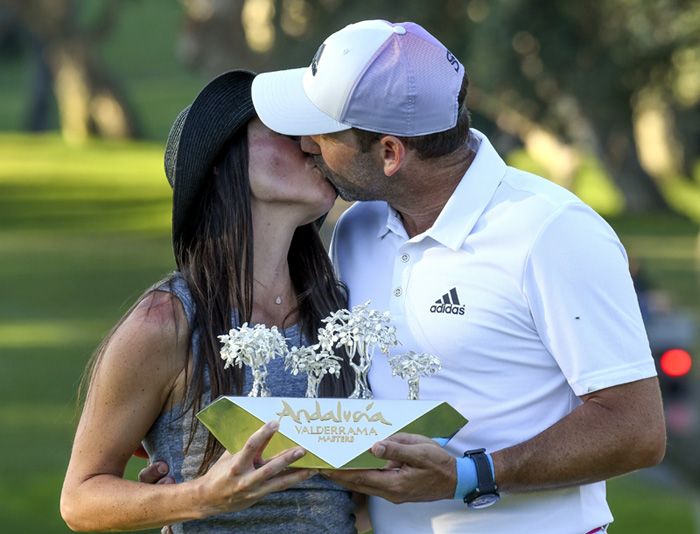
[449, 303]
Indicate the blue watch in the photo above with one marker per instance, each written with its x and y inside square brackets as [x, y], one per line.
[486, 492]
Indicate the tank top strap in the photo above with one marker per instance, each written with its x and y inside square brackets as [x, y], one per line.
[177, 285]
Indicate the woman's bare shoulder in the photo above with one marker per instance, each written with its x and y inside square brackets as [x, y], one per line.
[130, 383]
[152, 341]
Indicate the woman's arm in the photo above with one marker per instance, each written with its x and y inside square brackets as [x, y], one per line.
[129, 389]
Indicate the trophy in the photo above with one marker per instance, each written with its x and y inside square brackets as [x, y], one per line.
[410, 366]
[336, 433]
[358, 331]
[254, 347]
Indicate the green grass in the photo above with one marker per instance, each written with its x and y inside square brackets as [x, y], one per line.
[639, 507]
[82, 233]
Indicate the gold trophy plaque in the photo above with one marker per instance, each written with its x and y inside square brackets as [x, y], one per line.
[336, 433]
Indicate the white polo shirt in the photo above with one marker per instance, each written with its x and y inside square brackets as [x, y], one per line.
[524, 293]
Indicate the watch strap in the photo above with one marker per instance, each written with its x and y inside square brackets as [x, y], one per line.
[485, 483]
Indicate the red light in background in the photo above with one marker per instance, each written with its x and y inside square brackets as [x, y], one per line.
[676, 362]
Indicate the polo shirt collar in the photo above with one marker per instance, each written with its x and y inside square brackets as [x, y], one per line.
[393, 224]
[467, 203]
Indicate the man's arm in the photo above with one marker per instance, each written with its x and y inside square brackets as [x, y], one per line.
[614, 431]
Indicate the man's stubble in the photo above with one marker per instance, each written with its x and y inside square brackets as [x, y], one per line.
[361, 181]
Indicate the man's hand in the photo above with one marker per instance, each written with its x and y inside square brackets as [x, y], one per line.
[418, 469]
[156, 473]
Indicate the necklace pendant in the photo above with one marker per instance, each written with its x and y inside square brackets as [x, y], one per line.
[278, 300]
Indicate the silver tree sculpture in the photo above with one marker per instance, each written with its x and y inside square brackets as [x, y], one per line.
[254, 347]
[359, 331]
[316, 363]
[410, 366]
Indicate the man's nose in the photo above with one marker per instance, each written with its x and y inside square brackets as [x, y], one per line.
[310, 146]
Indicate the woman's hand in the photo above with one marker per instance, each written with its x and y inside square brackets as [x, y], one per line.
[240, 480]
[237, 481]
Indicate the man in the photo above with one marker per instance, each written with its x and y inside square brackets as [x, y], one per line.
[519, 287]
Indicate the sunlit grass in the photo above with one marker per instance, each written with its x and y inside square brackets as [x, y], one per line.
[593, 185]
[45, 157]
[44, 334]
[684, 196]
[103, 186]
[33, 415]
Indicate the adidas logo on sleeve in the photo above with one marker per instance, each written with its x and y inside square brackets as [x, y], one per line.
[448, 303]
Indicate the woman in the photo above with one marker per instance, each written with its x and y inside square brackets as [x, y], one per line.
[244, 204]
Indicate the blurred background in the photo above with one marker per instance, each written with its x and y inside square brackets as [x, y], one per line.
[601, 97]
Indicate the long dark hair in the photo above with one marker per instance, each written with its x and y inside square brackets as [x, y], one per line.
[214, 254]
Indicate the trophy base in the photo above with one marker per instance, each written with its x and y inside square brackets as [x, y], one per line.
[336, 433]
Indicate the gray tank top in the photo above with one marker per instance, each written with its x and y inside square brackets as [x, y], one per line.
[315, 505]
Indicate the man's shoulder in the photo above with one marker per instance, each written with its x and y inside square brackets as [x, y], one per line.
[537, 204]
[355, 230]
[539, 189]
[532, 203]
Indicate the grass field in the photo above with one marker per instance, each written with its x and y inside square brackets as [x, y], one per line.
[82, 233]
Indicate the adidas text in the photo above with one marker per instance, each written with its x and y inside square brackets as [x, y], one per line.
[447, 308]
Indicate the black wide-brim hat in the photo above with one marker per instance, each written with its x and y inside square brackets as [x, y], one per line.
[198, 135]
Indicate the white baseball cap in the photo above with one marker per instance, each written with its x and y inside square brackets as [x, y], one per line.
[373, 75]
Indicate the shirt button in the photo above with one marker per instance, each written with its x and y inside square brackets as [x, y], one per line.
[405, 258]
[397, 292]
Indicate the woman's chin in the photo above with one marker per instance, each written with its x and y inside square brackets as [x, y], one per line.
[327, 200]
[317, 214]
[329, 206]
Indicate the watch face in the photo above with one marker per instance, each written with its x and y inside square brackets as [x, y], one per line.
[484, 501]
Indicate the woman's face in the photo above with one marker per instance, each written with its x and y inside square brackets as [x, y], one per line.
[281, 174]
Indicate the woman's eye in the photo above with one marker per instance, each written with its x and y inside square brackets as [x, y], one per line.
[294, 138]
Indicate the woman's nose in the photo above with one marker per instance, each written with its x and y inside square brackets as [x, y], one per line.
[310, 146]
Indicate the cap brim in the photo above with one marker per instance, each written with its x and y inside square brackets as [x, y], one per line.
[282, 105]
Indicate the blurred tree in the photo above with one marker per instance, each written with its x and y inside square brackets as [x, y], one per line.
[212, 37]
[88, 97]
[14, 39]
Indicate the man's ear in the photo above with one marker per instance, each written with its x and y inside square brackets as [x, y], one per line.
[393, 154]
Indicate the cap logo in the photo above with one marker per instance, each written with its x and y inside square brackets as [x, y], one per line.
[316, 59]
[453, 60]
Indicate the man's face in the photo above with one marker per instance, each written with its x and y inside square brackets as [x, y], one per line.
[356, 175]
